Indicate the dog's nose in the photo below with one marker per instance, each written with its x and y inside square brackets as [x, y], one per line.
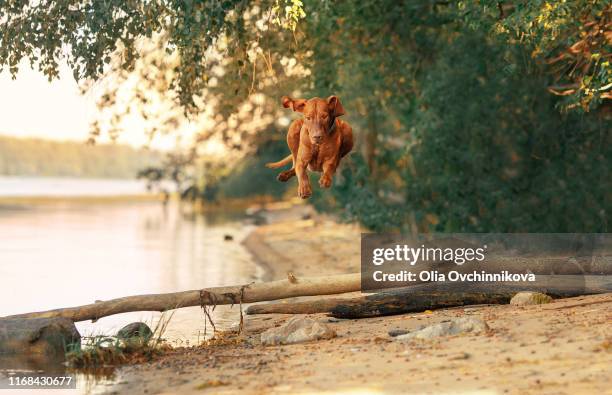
[318, 139]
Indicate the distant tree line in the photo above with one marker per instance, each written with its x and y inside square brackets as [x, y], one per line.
[38, 157]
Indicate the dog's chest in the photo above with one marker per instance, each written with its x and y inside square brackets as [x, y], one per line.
[321, 154]
[316, 160]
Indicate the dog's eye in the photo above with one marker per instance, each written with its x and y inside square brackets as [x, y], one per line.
[308, 118]
[324, 116]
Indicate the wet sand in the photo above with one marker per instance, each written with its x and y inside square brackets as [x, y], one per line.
[560, 348]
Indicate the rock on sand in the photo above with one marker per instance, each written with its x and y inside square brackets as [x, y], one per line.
[453, 327]
[530, 298]
[297, 330]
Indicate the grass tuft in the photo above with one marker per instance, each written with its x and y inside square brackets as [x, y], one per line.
[100, 352]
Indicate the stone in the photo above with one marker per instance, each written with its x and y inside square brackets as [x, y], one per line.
[260, 220]
[397, 332]
[297, 330]
[48, 337]
[530, 298]
[447, 328]
[135, 330]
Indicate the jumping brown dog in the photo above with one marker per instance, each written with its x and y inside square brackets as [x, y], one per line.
[317, 141]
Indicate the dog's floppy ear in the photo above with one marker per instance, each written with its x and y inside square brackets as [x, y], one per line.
[335, 106]
[295, 104]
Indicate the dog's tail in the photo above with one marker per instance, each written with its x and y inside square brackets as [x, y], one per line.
[280, 163]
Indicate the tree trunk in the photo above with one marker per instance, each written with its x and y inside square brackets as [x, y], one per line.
[208, 297]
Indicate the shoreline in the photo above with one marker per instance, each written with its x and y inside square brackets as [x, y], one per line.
[253, 243]
[293, 232]
[532, 349]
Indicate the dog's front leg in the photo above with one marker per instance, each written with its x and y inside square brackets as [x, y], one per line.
[301, 171]
[304, 189]
[329, 168]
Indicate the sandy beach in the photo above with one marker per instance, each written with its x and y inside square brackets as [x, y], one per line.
[560, 348]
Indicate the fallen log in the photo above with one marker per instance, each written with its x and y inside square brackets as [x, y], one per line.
[435, 296]
[384, 303]
[248, 293]
[430, 296]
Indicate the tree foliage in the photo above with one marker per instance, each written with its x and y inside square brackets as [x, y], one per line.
[574, 37]
[462, 133]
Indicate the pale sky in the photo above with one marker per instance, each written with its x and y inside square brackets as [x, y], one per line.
[31, 106]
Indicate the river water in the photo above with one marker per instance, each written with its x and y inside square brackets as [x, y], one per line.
[70, 187]
[63, 254]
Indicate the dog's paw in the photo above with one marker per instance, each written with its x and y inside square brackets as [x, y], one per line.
[304, 191]
[325, 181]
[285, 176]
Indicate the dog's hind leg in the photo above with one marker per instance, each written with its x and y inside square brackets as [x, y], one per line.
[293, 142]
[286, 175]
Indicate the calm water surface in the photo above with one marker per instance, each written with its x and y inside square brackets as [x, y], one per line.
[67, 186]
[68, 254]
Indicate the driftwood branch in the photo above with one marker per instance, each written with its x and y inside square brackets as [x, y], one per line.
[248, 293]
[318, 305]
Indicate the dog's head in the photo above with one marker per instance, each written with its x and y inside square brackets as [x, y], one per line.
[319, 114]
